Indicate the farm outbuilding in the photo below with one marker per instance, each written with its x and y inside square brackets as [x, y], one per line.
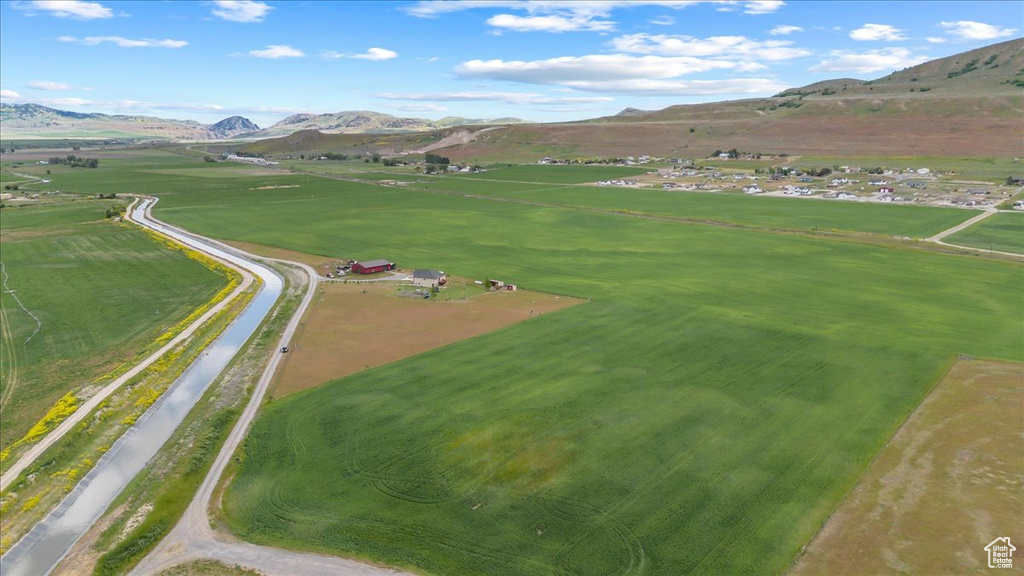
[429, 278]
[372, 266]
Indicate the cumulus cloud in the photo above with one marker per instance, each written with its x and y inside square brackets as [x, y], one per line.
[663, 21]
[552, 23]
[714, 46]
[877, 32]
[507, 97]
[125, 42]
[870, 61]
[969, 30]
[276, 51]
[66, 9]
[47, 85]
[141, 105]
[762, 6]
[9, 95]
[620, 73]
[566, 69]
[936, 40]
[418, 107]
[66, 102]
[376, 54]
[784, 29]
[241, 10]
[52, 86]
[581, 10]
[652, 87]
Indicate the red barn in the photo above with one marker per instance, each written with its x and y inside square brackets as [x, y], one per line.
[372, 266]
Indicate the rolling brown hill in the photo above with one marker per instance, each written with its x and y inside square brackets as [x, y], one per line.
[968, 104]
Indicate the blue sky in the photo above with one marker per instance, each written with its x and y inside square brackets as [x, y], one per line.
[542, 61]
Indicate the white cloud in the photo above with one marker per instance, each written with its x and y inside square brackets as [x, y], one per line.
[125, 42]
[762, 6]
[69, 102]
[663, 21]
[52, 86]
[580, 8]
[567, 69]
[241, 10]
[331, 55]
[870, 61]
[376, 54]
[275, 51]
[553, 23]
[969, 30]
[130, 106]
[508, 97]
[421, 107]
[621, 74]
[715, 46]
[650, 87]
[784, 29]
[9, 95]
[936, 40]
[66, 9]
[877, 32]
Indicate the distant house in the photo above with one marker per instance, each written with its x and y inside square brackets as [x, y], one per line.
[429, 278]
[372, 266]
[752, 189]
[885, 190]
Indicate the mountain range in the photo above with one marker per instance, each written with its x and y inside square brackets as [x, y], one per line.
[37, 121]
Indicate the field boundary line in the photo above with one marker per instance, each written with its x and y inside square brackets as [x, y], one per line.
[88, 406]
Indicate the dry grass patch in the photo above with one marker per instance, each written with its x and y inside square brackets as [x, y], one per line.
[352, 327]
[947, 484]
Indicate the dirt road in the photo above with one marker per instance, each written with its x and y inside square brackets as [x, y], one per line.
[964, 225]
[193, 538]
[89, 405]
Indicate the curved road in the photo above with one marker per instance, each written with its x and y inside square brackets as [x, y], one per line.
[193, 538]
[89, 405]
[966, 224]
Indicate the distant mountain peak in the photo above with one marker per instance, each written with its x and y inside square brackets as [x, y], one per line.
[233, 125]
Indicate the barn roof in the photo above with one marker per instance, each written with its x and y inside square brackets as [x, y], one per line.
[374, 263]
[427, 274]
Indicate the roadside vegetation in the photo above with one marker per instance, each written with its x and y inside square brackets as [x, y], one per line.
[156, 499]
[47, 480]
[84, 297]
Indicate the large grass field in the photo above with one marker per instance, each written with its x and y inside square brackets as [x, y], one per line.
[705, 412]
[1003, 232]
[100, 291]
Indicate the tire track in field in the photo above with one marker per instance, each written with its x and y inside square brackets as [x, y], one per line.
[11, 357]
[39, 323]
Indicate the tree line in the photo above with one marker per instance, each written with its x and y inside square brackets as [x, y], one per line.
[75, 161]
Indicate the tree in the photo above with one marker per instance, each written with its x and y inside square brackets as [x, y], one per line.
[375, 158]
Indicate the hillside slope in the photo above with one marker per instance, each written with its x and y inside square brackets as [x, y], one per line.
[36, 121]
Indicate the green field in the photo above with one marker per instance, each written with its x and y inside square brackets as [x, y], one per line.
[1003, 232]
[100, 290]
[685, 420]
[705, 412]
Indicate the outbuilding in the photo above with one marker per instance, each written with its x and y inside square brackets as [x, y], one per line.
[429, 278]
[372, 266]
